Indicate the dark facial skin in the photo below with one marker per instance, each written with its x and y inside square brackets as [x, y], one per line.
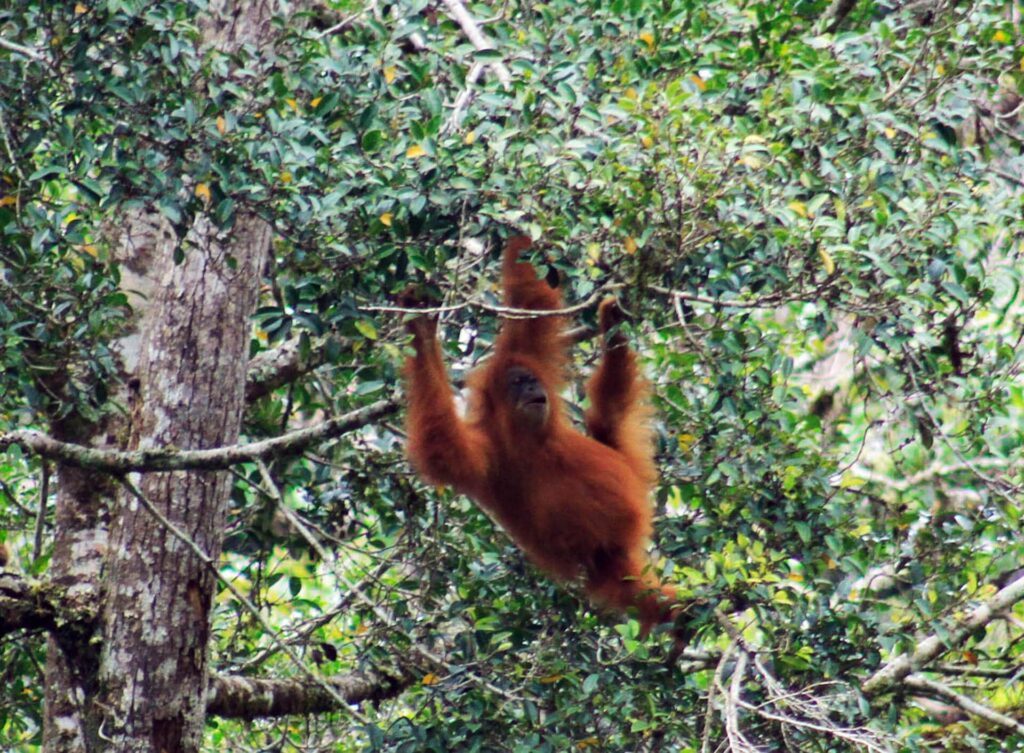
[527, 396]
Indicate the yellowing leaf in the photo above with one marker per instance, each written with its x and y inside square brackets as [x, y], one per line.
[390, 73]
[285, 176]
[795, 577]
[630, 93]
[470, 137]
[751, 161]
[292, 104]
[648, 39]
[551, 679]
[630, 245]
[647, 141]
[840, 206]
[593, 253]
[699, 82]
[686, 441]
[1001, 36]
[222, 125]
[755, 139]
[940, 69]
[385, 219]
[430, 679]
[588, 742]
[315, 102]
[783, 598]
[799, 208]
[890, 133]
[415, 151]
[80, 9]
[366, 329]
[202, 190]
[8, 201]
[826, 260]
[90, 249]
[849, 481]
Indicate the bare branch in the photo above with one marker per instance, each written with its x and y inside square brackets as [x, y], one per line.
[233, 697]
[930, 648]
[970, 670]
[462, 101]
[933, 471]
[837, 13]
[478, 38]
[919, 682]
[166, 459]
[287, 362]
[768, 301]
[28, 52]
[508, 312]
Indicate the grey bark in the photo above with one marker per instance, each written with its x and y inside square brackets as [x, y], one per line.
[156, 617]
[134, 679]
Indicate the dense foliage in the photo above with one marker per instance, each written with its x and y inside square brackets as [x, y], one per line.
[814, 221]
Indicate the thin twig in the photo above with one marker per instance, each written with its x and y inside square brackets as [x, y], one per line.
[465, 97]
[44, 495]
[507, 312]
[768, 301]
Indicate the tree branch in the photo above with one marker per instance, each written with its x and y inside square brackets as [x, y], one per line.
[233, 697]
[902, 666]
[933, 471]
[472, 31]
[284, 364]
[28, 52]
[918, 682]
[167, 459]
[507, 312]
[837, 13]
[23, 605]
[768, 301]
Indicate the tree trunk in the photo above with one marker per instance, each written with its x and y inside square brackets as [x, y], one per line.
[135, 678]
[191, 394]
[148, 693]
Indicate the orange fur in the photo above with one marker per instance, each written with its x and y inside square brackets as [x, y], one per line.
[576, 504]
